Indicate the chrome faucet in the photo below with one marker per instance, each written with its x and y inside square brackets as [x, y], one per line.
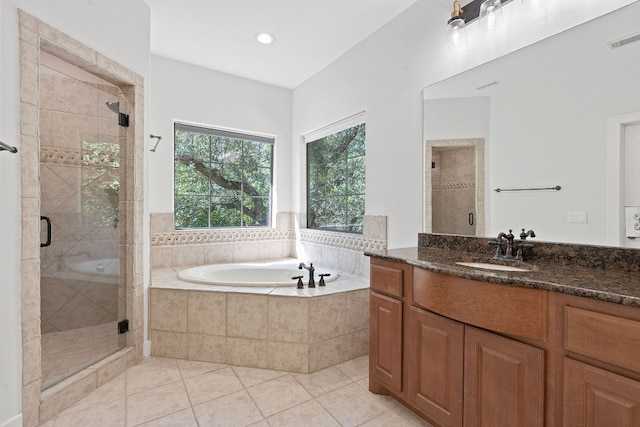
[311, 269]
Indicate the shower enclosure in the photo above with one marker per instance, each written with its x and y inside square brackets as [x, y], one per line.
[82, 168]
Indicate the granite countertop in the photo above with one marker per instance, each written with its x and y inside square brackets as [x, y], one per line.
[616, 286]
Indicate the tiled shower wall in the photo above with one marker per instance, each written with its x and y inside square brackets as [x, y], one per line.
[453, 190]
[73, 112]
[341, 251]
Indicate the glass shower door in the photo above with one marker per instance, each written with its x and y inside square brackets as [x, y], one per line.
[81, 172]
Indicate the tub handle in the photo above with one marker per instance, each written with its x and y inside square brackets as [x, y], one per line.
[322, 276]
[300, 284]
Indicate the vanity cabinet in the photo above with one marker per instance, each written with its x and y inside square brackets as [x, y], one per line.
[388, 282]
[601, 358]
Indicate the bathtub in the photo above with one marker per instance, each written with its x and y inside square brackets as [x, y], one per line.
[108, 267]
[260, 274]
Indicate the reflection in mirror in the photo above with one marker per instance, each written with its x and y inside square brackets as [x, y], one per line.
[554, 113]
[454, 182]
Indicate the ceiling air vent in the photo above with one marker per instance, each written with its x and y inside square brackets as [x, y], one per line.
[615, 44]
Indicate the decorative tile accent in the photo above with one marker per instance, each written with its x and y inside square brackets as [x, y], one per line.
[451, 185]
[188, 237]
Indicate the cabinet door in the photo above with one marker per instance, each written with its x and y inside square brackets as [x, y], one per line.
[598, 398]
[385, 341]
[503, 383]
[435, 359]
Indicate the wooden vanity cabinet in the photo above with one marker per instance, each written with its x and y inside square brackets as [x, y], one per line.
[601, 358]
[388, 283]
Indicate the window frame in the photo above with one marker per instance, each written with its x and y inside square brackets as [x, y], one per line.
[217, 131]
[310, 137]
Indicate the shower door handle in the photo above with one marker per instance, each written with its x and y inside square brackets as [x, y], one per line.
[49, 233]
[471, 221]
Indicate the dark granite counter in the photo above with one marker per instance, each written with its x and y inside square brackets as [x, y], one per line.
[616, 281]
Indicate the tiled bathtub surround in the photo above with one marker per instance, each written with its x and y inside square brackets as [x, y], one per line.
[340, 251]
[277, 328]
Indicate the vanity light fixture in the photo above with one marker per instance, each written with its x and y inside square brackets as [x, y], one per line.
[487, 12]
[456, 36]
[265, 38]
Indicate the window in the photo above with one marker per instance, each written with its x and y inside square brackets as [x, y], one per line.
[336, 177]
[222, 178]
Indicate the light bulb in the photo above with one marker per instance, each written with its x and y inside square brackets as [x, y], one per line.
[490, 14]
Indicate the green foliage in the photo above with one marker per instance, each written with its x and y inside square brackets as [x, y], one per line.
[221, 181]
[336, 181]
[100, 183]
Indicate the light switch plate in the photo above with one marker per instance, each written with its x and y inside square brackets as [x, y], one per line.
[577, 217]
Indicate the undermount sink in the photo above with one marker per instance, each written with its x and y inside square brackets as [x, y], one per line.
[487, 266]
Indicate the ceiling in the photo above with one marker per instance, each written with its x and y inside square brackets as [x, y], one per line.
[219, 34]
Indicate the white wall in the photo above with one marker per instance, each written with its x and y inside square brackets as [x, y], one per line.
[120, 30]
[183, 92]
[385, 74]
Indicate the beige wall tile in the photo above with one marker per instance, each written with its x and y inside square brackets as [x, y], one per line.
[218, 253]
[161, 256]
[168, 310]
[207, 348]
[326, 353]
[326, 317]
[356, 311]
[207, 313]
[162, 223]
[168, 344]
[288, 319]
[288, 357]
[247, 316]
[184, 255]
[356, 344]
[31, 404]
[375, 227]
[249, 251]
[247, 352]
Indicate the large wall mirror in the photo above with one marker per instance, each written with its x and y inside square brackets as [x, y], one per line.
[563, 112]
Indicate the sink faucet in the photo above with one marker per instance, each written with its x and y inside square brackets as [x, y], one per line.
[512, 250]
[311, 269]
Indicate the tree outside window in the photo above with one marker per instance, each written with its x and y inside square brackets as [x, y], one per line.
[222, 178]
[336, 181]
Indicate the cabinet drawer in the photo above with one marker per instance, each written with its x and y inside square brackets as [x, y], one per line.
[388, 277]
[506, 309]
[605, 337]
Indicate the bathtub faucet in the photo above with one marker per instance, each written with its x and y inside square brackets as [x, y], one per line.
[311, 269]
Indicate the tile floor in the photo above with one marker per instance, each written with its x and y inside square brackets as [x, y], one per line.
[174, 393]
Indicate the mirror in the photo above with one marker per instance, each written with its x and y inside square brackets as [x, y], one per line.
[551, 114]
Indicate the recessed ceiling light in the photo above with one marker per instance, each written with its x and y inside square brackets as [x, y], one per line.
[265, 38]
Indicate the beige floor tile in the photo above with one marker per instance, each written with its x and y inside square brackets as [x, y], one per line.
[261, 423]
[391, 418]
[278, 395]
[192, 368]
[156, 403]
[152, 373]
[184, 418]
[108, 414]
[355, 369]
[237, 409]
[253, 376]
[352, 406]
[323, 381]
[212, 385]
[309, 413]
